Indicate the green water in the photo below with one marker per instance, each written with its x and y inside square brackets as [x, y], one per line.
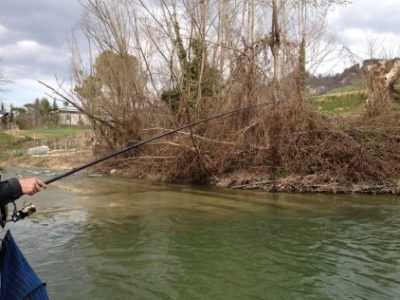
[109, 238]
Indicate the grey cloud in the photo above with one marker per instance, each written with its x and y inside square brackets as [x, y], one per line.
[46, 21]
[378, 16]
[33, 42]
[31, 53]
[35, 68]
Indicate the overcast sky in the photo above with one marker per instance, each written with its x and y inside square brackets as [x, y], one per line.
[368, 20]
[34, 34]
[33, 44]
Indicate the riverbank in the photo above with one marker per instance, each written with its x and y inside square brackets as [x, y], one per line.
[52, 162]
[240, 180]
[301, 184]
[305, 153]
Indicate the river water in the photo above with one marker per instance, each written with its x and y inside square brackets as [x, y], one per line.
[102, 237]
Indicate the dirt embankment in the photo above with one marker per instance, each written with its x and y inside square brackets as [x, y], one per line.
[53, 162]
[301, 184]
[245, 180]
[307, 154]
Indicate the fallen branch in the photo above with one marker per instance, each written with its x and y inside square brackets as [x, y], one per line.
[209, 139]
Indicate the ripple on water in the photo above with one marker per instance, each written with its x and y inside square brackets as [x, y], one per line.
[100, 238]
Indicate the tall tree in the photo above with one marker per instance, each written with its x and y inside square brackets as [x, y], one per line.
[4, 119]
[275, 45]
[112, 95]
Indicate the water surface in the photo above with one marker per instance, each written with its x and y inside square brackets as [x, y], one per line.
[99, 237]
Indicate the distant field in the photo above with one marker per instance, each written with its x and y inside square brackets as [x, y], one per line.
[41, 133]
[345, 101]
[340, 104]
[354, 87]
[14, 142]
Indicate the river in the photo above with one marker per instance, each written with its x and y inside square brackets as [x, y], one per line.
[104, 237]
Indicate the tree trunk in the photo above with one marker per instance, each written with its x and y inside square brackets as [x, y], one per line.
[381, 77]
[275, 45]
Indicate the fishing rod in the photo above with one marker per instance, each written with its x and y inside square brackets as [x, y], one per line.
[29, 208]
[151, 139]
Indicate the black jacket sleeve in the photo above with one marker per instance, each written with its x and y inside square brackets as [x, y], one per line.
[10, 190]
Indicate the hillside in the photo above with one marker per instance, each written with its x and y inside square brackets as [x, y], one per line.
[350, 80]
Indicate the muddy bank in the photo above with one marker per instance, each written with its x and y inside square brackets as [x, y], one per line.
[301, 184]
[52, 162]
[248, 180]
[244, 180]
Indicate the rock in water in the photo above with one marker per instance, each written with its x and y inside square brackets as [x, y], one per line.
[41, 150]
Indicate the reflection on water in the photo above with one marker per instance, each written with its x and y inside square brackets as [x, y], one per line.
[110, 238]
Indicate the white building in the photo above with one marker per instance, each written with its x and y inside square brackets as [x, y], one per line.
[73, 117]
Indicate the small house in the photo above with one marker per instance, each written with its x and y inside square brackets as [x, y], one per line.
[73, 117]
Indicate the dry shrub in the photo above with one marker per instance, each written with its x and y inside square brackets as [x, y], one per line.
[390, 118]
[283, 140]
[307, 143]
[187, 168]
[290, 139]
[280, 141]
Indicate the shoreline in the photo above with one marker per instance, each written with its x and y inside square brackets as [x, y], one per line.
[302, 184]
[241, 180]
[47, 161]
[281, 185]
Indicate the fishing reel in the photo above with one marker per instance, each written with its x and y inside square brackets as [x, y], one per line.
[24, 212]
[27, 210]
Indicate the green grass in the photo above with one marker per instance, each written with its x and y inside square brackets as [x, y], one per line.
[354, 87]
[40, 133]
[397, 100]
[346, 89]
[13, 143]
[8, 146]
[7, 141]
[339, 105]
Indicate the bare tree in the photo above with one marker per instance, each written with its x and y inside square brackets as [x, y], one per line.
[371, 45]
[275, 45]
[381, 67]
[113, 88]
[141, 66]
[3, 78]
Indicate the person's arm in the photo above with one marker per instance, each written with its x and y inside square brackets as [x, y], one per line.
[12, 189]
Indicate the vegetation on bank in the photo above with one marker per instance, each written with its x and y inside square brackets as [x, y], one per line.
[315, 152]
[14, 143]
[8, 146]
[223, 59]
[38, 114]
[340, 104]
[58, 132]
[143, 78]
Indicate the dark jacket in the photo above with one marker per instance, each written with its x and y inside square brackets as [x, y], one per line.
[10, 190]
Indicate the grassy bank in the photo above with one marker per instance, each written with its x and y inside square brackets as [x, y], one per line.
[53, 162]
[14, 143]
[48, 133]
[340, 104]
[43, 133]
[9, 147]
